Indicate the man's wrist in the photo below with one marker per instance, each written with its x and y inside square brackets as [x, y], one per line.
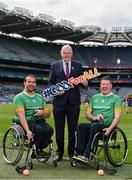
[94, 118]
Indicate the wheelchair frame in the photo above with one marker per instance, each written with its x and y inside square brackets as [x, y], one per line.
[13, 146]
[115, 149]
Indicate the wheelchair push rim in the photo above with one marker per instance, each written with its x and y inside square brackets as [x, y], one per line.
[117, 148]
[12, 146]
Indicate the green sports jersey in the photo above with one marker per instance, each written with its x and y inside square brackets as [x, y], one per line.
[28, 103]
[107, 105]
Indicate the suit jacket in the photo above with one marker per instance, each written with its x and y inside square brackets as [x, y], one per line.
[57, 74]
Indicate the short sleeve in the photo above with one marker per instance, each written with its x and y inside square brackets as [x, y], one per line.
[18, 103]
[90, 104]
[118, 104]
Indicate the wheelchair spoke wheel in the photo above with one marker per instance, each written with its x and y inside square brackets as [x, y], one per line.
[12, 146]
[117, 148]
[96, 146]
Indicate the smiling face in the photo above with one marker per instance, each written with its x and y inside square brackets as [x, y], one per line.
[66, 53]
[105, 87]
[30, 84]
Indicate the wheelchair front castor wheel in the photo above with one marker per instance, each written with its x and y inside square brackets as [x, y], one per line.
[73, 163]
[97, 166]
[55, 163]
[30, 165]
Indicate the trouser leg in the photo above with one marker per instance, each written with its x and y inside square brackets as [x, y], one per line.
[82, 136]
[42, 133]
[59, 120]
[72, 121]
[94, 128]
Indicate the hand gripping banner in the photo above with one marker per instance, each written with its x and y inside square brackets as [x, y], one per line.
[54, 90]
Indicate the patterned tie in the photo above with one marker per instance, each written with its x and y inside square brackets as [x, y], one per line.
[67, 70]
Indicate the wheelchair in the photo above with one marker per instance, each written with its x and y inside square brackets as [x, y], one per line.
[113, 149]
[15, 143]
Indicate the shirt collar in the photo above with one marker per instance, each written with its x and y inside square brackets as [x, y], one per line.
[66, 62]
[28, 94]
[107, 94]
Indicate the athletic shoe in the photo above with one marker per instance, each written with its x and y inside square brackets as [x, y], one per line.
[83, 159]
[77, 157]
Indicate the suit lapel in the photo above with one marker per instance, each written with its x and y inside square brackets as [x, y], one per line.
[72, 69]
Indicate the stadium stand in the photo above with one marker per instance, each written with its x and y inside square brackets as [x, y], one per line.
[20, 57]
[110, 52]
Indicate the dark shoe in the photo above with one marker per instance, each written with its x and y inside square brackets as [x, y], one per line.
[59, 157]
[41, 153]
[33, 156]
[70, 157]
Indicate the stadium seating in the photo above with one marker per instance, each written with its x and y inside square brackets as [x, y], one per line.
[20, 57]
[27, 50]
[124, 91]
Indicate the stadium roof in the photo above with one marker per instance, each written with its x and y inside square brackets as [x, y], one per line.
[22, 22]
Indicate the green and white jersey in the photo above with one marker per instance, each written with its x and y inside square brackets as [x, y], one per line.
[28, 104]
[106, 104]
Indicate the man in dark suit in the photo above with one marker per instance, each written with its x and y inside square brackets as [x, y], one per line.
[66, 103]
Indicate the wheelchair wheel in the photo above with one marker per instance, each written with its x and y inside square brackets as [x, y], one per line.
[94, 145]
[97, 145]
[73, 163]
[55, 163]
[12, 145]
[117, 147]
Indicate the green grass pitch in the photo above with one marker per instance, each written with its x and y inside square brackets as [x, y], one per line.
[63, 169]
[7, 112]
